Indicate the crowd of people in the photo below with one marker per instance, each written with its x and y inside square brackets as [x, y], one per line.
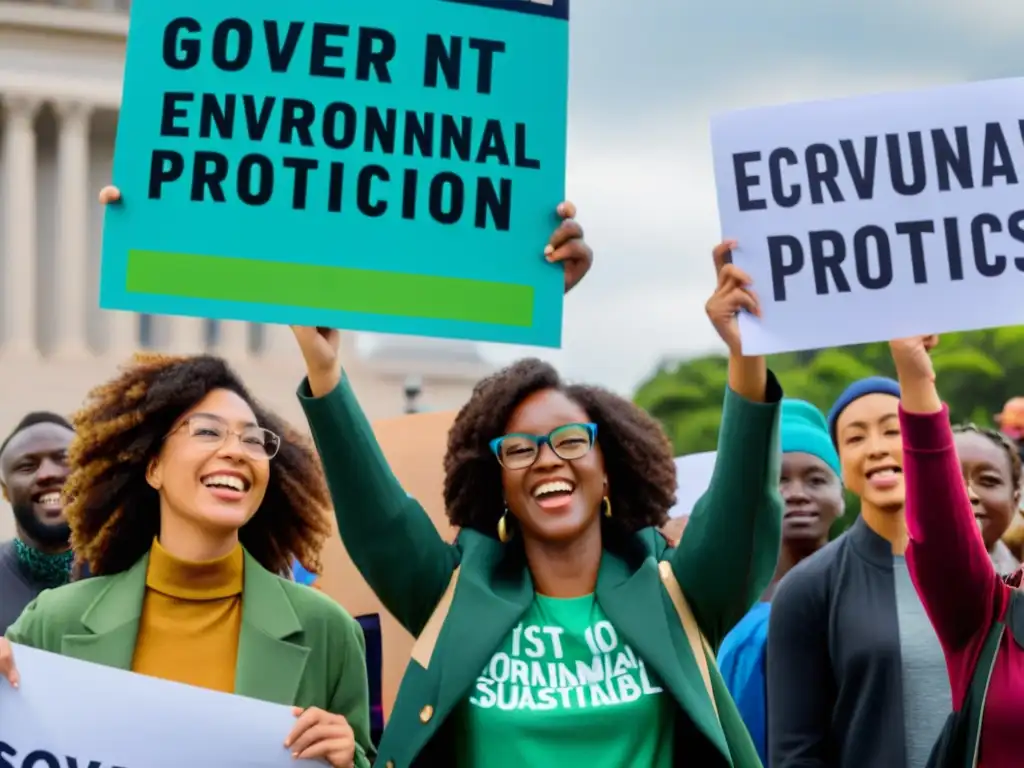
[172, 526]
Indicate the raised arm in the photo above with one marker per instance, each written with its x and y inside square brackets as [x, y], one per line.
[801, 686]
[946, 557]
[728, 554]
[388, 535]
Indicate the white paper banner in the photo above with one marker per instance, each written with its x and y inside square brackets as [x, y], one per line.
[878, 217]
[71, 714]
[693, 476]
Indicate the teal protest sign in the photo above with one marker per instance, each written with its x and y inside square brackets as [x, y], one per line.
[378, 165]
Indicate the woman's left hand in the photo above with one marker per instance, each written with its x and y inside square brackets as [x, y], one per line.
[567, 247]
[320, 735]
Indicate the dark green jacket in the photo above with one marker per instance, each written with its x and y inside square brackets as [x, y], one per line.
[725, 560]
[297, 647]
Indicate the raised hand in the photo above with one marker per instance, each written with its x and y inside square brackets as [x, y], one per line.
[567, 247]
[916, 373]
[912, 357]
[320, 349]
[732, 295]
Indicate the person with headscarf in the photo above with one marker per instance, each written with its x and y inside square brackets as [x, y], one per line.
[812, 492]
[856, 675]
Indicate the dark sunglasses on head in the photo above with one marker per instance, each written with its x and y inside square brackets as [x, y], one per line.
[569, 442]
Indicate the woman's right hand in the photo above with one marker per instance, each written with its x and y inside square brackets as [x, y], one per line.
[321, 350]
[748, 376]
[7, 669]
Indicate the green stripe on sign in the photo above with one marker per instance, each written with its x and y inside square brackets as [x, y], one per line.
[342, 289]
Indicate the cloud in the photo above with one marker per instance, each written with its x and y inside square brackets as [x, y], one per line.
[628, 56]
[980, 20]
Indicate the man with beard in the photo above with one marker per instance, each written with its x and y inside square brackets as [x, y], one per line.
[33, 468]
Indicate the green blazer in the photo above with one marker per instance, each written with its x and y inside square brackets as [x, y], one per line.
[725, 560]
[297, 647]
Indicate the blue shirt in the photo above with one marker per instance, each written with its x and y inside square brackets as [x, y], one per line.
[301, 575]
[741, 660]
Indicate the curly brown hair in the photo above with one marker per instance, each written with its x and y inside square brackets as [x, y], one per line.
[638, 456]
[113, 512]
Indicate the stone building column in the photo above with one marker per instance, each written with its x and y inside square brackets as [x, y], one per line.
[278, 342]
[71, 271]
[20, 247]
[185, 335]
[232, 339]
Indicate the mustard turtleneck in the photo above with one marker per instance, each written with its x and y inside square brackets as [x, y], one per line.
[191, 617]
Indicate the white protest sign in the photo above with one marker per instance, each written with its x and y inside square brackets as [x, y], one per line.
[693, 476]
[71, 714]
[877, 217]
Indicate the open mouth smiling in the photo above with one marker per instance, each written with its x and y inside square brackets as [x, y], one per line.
[553, 494]
[552, 489]
[48, 500]
[227, 481]
[882, 473]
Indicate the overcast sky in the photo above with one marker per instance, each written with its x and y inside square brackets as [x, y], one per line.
[646, 76]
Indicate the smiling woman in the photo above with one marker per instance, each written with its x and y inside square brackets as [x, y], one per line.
[859, 681]
[561, 628]
[992, 472]
[186, 499]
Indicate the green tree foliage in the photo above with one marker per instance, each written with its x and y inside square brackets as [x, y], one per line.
[976, 372]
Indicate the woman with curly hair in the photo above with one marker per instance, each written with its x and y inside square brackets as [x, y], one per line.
[547, 633]
[187, 499]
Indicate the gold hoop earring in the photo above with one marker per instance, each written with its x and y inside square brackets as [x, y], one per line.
[606, 506]
[504, 536]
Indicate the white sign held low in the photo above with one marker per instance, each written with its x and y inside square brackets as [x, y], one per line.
[71, 714]
[693, 476]
[878, 217]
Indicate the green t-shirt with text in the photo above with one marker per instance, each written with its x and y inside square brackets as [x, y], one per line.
[565, 690]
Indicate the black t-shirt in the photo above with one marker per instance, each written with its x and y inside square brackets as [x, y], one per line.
[16, 589]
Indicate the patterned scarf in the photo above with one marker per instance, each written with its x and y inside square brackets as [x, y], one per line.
[47, 570]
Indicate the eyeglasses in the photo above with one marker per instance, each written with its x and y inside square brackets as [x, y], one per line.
[569, 442]
[258, 442]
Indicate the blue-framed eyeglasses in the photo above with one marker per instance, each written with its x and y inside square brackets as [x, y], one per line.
[569, 442]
